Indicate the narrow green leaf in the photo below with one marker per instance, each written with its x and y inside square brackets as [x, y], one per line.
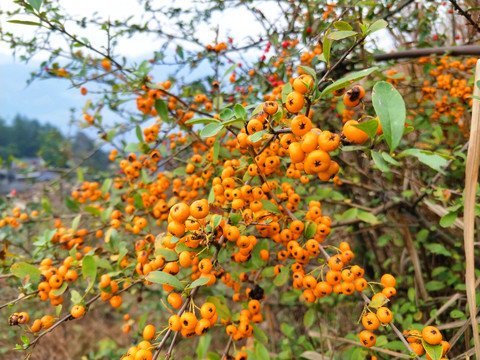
[327, 45]
[202, 121]
[347, 80]
[391, 111]
[230, 69]
[380, 162]
[160, 277]
[89, 270]
[339, 35]
[216, 151]
[61, 289]
[240, 112]
[390, 160]
[211, 130]
[199, 282]
[76, 221]
[162, 109]
[132, 147]
[22, 22]
[138, 132]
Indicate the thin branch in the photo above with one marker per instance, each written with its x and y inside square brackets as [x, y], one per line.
[465, 14]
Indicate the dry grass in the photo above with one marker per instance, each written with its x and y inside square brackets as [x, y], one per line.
[72, 340]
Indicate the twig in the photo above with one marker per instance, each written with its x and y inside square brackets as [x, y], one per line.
[19, 299]
[374, 348]
[227, 348]
[467, 16]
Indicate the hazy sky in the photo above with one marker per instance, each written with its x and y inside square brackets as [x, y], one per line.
[50, 100]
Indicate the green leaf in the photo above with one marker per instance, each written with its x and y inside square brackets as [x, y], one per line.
[347, 80]
[369, 127]
[211, 130]
[216, 151]
[216, 221]
[199, 282]
[259, 335]
[457, 314]
[309, 318]
[342, 25]
[160, 277]
[230, 69]
[439, 249]
[391, 160]
[258, 135]
[169, 255]
[379, 301]
[61, 289]
[380, 162]
[80, 175]
[310, 230]
[107, 184]
[23, 269]
[434, 351]
[58, 310]
[367, 217]
[390, 109]
[435, 161]
[76, 221]
[269, 206]
[202, 121]
[237, 122]
[261, 352]
[308, 70]
[226, 114]
[25, 340]
[240, 112]
[435, 285]
[180, 51]
[203, 345]
[281, 278]
[138, 132]
[89, 270]
[22, 22]
[132, 147]
[327, 45]
[448, 219]
[46, 204]
[222, 309]
[339, 35]
[260, 108]
[377, 25]
[162, 109]
[287, 89]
